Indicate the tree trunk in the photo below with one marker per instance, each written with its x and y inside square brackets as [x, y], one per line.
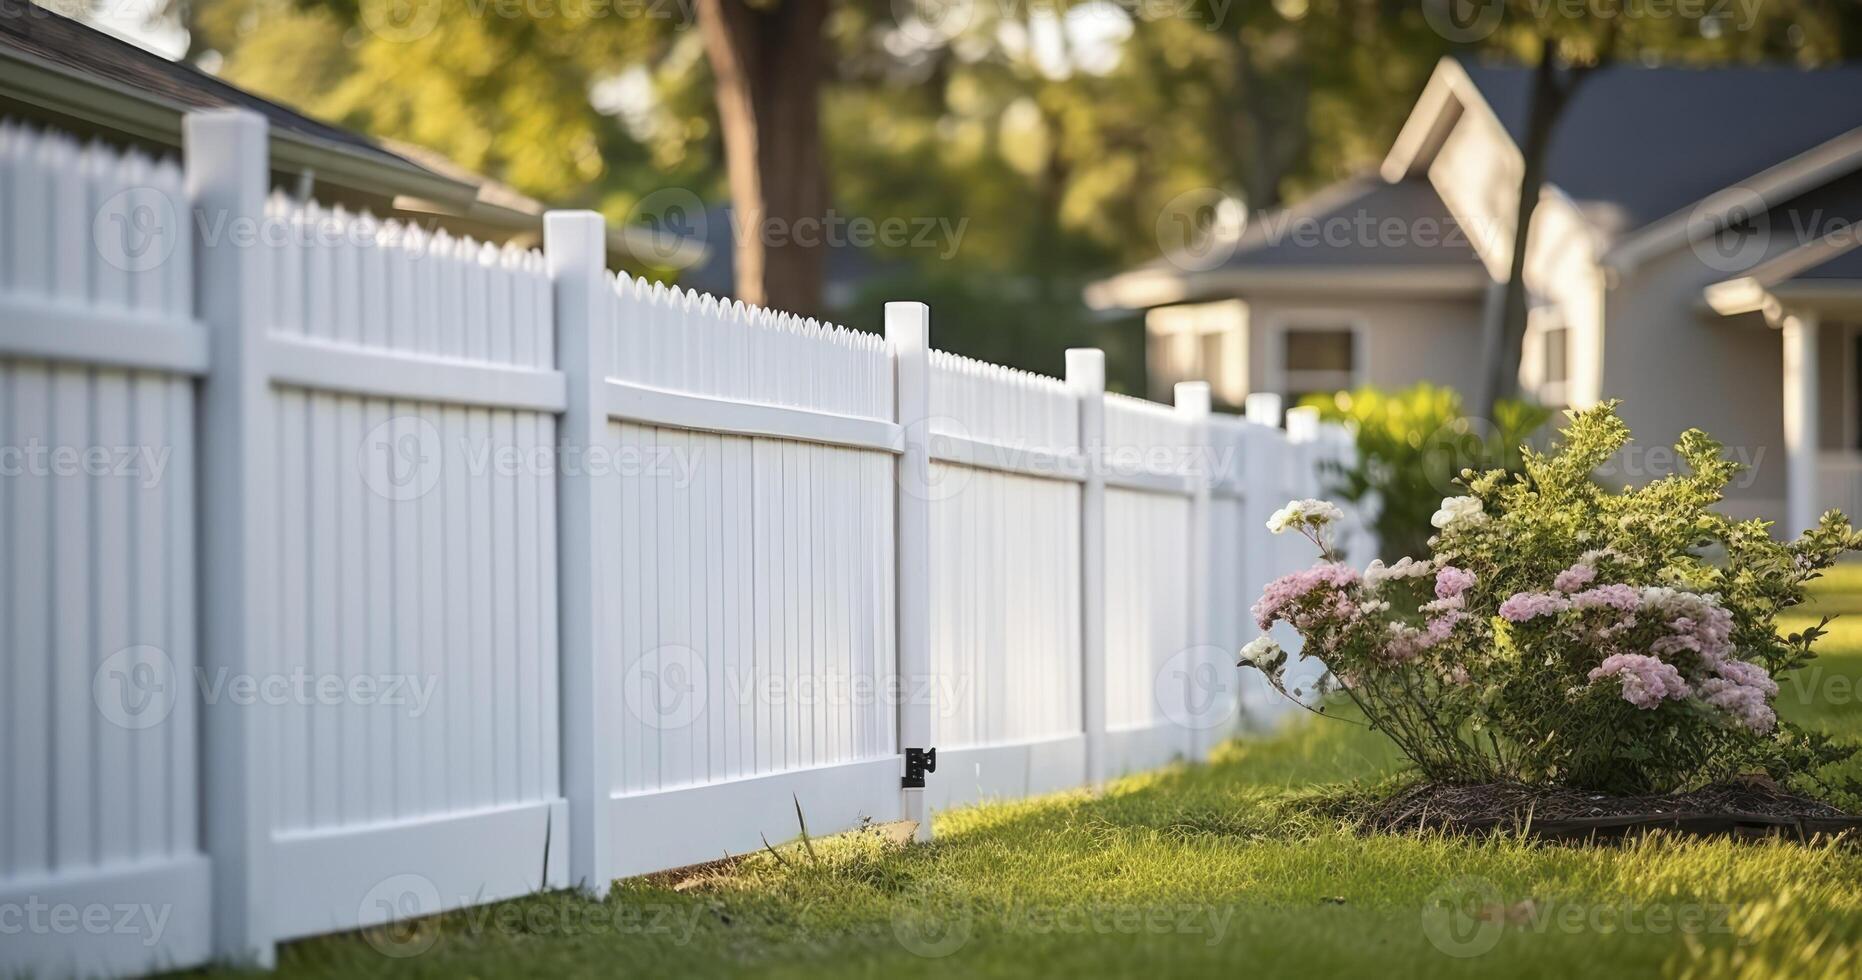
[1505, 335]
[1504, 338]
[768, 62]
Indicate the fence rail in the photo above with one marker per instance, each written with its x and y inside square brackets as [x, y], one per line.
[426, 573]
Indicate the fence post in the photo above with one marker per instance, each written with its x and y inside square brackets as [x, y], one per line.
[1086, 377]
[1192, 404]
[228, 176]
[575, 249]
[908, 334]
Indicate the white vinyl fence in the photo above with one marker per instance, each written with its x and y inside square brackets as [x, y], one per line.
[350, 572]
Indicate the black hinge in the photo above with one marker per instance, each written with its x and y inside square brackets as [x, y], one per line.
[917, 763]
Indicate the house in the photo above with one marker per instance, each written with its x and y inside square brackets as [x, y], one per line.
[56, 71]
[1694, 254]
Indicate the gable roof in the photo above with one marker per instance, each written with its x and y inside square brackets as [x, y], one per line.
[1392, 236]
[1653, 141]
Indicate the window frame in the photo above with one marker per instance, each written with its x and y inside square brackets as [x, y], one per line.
[1281, 381]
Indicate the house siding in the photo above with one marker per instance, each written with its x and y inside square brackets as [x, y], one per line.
[1677, 367]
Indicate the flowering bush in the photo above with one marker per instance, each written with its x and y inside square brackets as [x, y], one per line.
[1561, 633]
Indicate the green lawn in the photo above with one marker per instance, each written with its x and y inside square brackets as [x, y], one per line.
[1198, 871]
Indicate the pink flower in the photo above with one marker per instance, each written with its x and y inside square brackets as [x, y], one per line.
[1619, 597]
[1522, 606]
[1285, 592]
[1574, 578]
[1451, 582]
[1744, 691]
[1646, 681]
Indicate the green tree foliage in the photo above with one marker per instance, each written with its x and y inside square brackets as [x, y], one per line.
[1055, 134]
[1412, 446]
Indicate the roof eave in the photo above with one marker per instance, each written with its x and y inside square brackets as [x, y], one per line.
[155, 119]
[1708, 216]
[1146, 288]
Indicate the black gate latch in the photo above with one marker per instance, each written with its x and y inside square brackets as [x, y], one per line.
[917, 763]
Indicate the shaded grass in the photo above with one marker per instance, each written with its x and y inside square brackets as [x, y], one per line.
[1197, 870]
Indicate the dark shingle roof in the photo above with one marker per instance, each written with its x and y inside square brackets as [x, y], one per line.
[57, 40]
[1653, 141]
[1363, 221]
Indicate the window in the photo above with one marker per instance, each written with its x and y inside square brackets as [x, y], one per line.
[1317, 360]
[1199, 342]
[1557, 355]
[1550, 339]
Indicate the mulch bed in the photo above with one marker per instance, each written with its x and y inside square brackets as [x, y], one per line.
[1753, 807]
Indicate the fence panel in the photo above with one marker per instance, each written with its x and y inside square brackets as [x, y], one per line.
[1005, 582]
[1150, 632]
[97, 561]
[415, 571]
[752, 632]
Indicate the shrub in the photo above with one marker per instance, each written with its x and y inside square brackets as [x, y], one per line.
[1411, 444]
[1561, 633]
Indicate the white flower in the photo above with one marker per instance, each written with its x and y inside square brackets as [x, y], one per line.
[1406, 567]
[1458, 509]
[1262, 653]
[1304, 513]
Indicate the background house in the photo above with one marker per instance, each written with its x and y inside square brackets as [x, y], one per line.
[1693, 255]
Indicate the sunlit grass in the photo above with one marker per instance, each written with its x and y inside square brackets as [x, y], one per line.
[1202, 870]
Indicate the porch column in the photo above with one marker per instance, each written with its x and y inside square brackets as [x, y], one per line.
[1800, 421]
